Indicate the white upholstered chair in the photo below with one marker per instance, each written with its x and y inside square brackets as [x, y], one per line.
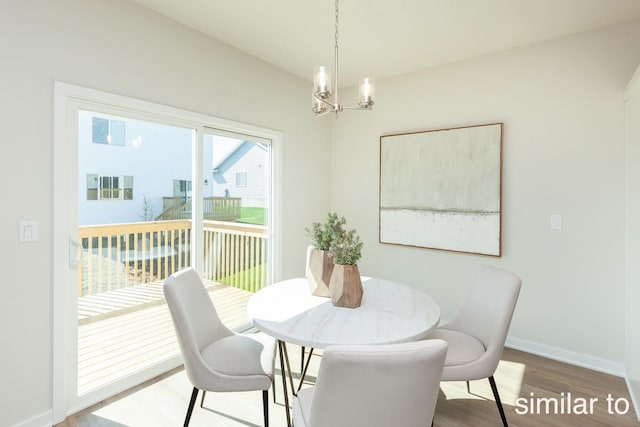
[215, 358]
[373, 386]
[477, 333]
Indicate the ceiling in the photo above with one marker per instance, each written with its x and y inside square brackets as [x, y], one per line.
[384, 38]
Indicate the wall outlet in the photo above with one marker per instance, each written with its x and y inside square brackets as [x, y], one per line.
[556, 222]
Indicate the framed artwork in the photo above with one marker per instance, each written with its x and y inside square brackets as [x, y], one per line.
[441, 189]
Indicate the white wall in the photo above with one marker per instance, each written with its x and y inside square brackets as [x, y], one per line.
[633, 239]
[564, 153]
[119, 47]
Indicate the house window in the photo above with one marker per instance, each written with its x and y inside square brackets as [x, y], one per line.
[185, 186]
[241, 179]
[127, 188]
[92, 187]
[109, 187]
[182, 189]
[108, 132]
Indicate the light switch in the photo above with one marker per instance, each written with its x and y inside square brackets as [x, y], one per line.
[28, 231]
[556, 222]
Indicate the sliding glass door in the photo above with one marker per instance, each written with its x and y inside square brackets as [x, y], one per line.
[142, 191]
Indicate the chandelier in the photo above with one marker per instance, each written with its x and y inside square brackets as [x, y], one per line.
[321, 95]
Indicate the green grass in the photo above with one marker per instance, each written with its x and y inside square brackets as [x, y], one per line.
[247, 279]
[256, 216]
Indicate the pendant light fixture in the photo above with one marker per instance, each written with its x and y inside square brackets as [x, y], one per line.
[324, 101]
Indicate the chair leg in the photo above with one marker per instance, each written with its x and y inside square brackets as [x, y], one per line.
[204, 392]
[494, 388]
[265, 407]
[468, 388]
[192, 402]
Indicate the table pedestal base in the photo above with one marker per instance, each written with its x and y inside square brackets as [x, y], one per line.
[284, 359]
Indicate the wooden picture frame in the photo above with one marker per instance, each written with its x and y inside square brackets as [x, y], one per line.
[442, 189]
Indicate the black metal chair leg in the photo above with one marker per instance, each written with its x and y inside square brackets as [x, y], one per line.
[265, 407]
[204, 392]
[192, 402]
[468, 388]
[494, 388]
[302, 358]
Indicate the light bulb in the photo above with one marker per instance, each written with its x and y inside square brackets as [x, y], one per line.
[367, 90]
[321, 82]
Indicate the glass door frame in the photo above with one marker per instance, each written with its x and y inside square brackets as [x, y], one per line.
[68, 100]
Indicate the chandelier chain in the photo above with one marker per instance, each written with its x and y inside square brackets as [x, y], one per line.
[336, 33]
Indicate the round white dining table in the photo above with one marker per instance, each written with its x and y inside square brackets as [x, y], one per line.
[389, 313]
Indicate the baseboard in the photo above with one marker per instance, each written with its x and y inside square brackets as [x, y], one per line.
[42, 420]
[567, 356]
[634, 397]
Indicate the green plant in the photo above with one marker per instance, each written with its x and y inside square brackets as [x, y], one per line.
[347, 250]
[324, 235]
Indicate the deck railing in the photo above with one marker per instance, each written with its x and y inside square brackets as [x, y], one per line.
[214, 208]
[235, 254]
[116, 256]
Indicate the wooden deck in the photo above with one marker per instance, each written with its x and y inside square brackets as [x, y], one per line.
[122, 331]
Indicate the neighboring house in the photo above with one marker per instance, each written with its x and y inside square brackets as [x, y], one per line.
[127, 167]
[244, 172]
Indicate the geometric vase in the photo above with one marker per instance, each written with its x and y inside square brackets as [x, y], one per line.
[345, 286]
[319, 274]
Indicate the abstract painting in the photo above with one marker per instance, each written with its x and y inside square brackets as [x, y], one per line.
[441, 189]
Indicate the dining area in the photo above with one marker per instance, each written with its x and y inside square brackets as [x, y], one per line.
[378, 364]
[335, 347]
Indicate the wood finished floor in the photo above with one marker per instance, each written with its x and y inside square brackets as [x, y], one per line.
[163, 401]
